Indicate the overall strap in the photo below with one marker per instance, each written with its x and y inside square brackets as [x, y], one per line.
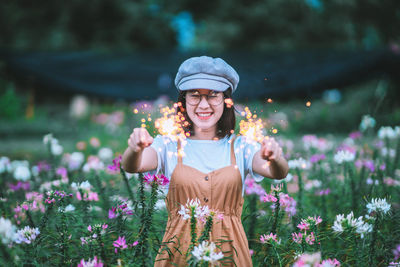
[233, 158]
[179, 151]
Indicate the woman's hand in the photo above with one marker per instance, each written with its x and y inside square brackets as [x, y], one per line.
[269, 160]
[139, 139]
[270, 149]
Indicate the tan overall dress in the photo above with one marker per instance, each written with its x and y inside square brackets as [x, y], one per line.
[220, 190]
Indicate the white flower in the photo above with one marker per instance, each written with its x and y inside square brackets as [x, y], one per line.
[206, 252]
[378, 205]
[299, 163]
[22, 173]
[47, 138]
[200, 212]
[7, 231]
[367, 122]
[387, 132]
[397, 131]
[93, 163]
[5, 165]
[371, 181]
[55, 148]
[385, 152]
[26, 235]
[75, 160]
[105, 154]
[69, 208]
[350, 223]
[344, 156]
[85, 186]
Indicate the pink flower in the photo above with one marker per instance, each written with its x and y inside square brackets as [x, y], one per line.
[120, 243]
[269, 198]
[89, 228]
[330, 263]
[303, 226]
[115, 168]
[267, 238]
[310, 239]
[297, 237]
[159, 179]
[253, 188]
[134, 243]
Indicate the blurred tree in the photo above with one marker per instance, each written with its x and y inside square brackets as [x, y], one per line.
[88, 24]
[219, 24]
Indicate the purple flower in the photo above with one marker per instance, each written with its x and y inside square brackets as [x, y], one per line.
[253, 188]
[20, 185]
[90, 263]
[370, 165]
[317, 157]
[323, 192]
[114, 169]
[112, 213]
[159, 179]
[122, 209]
[120, 243]
[396, 252]
[355, 135]
[43, 166]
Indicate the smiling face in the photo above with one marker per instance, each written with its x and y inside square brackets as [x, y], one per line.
[206, 114]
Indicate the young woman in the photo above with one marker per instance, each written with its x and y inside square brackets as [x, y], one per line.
[213, 164]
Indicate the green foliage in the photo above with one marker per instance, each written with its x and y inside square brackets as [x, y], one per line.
[10, 102]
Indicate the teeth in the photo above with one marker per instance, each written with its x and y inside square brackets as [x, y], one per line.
[203, 114]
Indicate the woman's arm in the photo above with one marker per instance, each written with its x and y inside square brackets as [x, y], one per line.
[139, 156]
[269, 162]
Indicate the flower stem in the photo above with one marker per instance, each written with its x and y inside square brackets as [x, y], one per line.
[275, 224]
[126, 181]
[373, 241]
[277, 255]
[207, 229]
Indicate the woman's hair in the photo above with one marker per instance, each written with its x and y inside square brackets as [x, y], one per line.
[226, 123]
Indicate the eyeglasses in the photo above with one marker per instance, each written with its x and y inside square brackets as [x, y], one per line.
[213, 98]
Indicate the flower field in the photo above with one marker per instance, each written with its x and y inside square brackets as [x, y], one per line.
[76, 206]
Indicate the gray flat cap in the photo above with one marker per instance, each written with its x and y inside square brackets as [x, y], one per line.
[206, 73]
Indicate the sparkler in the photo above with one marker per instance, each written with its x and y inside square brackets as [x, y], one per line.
[252, 128]
[171, 124]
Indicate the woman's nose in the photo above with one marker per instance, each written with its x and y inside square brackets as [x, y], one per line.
[203, 102]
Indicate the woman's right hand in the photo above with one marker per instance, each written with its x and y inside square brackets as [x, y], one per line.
[139, 139]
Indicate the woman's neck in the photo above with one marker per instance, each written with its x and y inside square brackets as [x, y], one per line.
[204, 134]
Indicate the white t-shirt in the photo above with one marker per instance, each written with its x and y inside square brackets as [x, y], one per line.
[206, 155]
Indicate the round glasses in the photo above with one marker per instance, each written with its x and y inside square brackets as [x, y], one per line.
[213, 98]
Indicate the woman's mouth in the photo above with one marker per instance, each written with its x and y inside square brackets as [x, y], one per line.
[204, 115]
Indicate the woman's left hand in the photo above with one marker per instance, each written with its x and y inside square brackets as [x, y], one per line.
[270, 149]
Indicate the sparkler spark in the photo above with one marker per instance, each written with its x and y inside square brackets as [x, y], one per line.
[171, 123]
[252, 128]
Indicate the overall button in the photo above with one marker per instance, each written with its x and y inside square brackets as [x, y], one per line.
[206, 178]
[205, 199]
